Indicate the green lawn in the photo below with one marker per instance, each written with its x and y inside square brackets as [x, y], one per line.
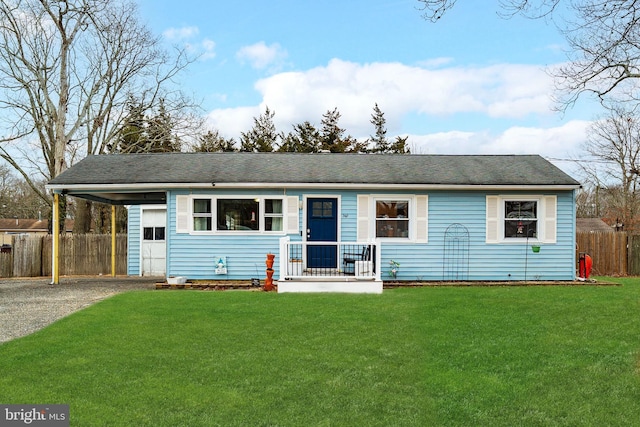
[428, 356]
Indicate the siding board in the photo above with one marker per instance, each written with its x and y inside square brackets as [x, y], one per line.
[134, 234]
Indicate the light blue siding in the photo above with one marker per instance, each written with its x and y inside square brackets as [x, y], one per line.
[133, 241]
[193, 256]
[504, 261]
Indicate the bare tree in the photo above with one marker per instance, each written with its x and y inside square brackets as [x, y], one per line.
[603, 38]
[66, 71]
[435, 9]
[614, 144]
[604, 52]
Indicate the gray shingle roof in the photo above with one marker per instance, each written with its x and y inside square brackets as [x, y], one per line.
[593, 224]
[296, 168]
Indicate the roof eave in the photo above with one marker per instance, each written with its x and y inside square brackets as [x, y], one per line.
[110, 188]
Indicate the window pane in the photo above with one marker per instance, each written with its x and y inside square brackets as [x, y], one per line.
[392, 209]
[322, 209]
[202, 206]
[327, 209]
[159, 233]
[148, 233]
[202, 223]
[316, 208]
[392, 228]
[273, 206]
[392, 218]
[520, 228]
[273, 224]
[238, 214]
[520, 209]
[521, 218]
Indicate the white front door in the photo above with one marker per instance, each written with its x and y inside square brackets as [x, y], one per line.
[154, 246]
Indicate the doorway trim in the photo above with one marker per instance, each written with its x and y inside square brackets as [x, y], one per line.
[157, 208]
[305, 215]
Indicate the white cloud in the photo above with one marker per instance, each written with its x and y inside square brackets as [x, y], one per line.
[232, 121]
[180, 34]
[204, 49]
[555, 142]
[498, 91]
[435, 62]
[492, 96]
[208, 49]
[261, 56]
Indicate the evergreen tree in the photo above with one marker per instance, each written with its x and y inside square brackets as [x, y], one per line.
[399, 146]
[131, 134]
[304, 138]
[213, 142]
[160, 135]
[262, 137]
[331, 135]
[142, 134]
[379, 140]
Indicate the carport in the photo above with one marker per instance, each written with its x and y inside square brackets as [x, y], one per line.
[87, 180]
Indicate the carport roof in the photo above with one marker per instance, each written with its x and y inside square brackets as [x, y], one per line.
[144, 178]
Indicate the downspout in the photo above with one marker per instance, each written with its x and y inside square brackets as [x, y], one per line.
[55, 241]
[113, 240]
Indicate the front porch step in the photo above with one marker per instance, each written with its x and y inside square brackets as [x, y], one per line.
[339, 286]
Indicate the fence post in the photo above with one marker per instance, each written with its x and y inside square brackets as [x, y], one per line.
[113, 240]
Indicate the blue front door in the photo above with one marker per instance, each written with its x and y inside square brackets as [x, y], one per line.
[322, 226]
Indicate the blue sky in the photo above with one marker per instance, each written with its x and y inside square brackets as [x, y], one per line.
[473, 83]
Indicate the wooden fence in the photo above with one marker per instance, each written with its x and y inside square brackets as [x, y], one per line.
[633, 263]
[80, 254]
[610, 252]
[613, 254]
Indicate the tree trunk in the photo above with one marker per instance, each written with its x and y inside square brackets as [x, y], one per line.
[83, 217]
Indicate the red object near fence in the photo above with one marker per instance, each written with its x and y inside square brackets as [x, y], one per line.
[584, 265]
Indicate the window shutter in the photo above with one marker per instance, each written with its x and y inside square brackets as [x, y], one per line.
[550, 219]
[292, 216]
[362, 232]
[182, 214]
[493, 218]
[422, 214]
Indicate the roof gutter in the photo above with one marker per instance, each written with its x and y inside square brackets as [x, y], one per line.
[132, 188]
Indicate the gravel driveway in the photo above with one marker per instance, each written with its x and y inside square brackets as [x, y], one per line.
[27, 305]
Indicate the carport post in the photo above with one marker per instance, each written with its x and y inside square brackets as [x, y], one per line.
[55, 241]
[113, 240]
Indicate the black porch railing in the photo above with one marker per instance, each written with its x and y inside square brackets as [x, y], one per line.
[317, 260]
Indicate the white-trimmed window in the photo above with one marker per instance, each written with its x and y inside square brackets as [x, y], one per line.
[518, 218]
[238, 214]
[230, 214]
[202, 214]
[392, 218]
[398, 217]
[273, 215]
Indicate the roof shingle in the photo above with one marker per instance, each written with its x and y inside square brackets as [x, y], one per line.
[184, 168]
